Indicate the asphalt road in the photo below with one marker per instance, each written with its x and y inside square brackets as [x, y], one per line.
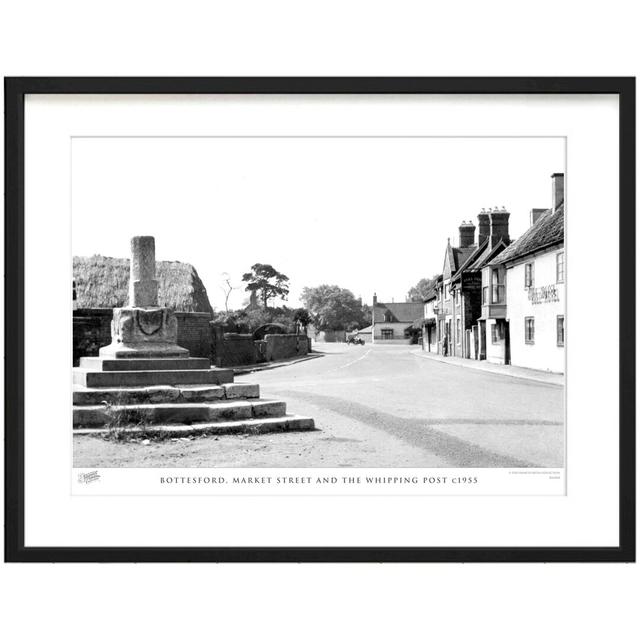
[385, 406]
[374, 406]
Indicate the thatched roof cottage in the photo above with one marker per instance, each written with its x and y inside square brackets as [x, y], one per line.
[103, 282]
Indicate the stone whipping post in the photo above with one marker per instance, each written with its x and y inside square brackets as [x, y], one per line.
[143, 286]
[143, 329]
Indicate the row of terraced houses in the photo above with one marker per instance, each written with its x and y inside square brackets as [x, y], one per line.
[497, 299]
[503, 300]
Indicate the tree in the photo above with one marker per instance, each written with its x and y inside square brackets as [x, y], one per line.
[227, 288]
[418, 292]
[302, 318]
[268, 282]
[333, 308]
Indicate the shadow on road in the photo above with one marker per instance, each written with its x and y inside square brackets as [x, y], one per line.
[418, 432]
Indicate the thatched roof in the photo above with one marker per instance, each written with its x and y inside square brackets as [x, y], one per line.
[104, 282]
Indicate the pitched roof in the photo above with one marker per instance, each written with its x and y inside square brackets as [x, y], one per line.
[368, 329]
[488, 254]
[455, 257]
[462, 254]
[400, 311]
[430, 295]
[547, 231]
[469, 258]
[103, 282]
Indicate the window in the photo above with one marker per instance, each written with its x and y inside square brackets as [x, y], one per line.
[528, 275]
[560, 330]
[497, 287]
[388, 317]
[497, 333]
[458, 330]
[387, 334]
[485, 295]
[560, 267]
[529, 330]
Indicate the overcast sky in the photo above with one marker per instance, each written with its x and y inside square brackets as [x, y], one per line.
[368, 214]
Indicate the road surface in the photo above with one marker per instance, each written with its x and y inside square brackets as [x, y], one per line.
[377, 406]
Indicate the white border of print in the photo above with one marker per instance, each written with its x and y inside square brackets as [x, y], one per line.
[586, 516]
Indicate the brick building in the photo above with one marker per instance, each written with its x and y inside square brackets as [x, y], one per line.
[429, 321]
[459, 294]
[393, 322]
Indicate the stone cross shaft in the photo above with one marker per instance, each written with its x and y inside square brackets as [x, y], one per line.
[143, 286]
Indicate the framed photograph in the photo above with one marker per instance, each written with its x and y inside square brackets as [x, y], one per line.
[320, 319]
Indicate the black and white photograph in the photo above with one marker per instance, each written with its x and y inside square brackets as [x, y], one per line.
[319, 301]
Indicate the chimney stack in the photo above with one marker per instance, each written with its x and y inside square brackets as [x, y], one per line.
[375, 299]
[557, 190]
[467, 234]
[484, 226]
[499, 226]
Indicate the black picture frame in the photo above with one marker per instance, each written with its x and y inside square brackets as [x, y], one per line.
[15, 91]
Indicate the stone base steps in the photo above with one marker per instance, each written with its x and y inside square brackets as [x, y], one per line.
[164, 394]
[251, 426]
[175, 413]
[147, 378]
[143, 364]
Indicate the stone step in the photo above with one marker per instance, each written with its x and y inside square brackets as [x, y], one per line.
[143, 364]
[165, 394]
[252, 426]
[172, 413]
[89, 378]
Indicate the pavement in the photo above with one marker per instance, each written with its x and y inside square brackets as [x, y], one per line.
[380, 406]
[490, 367]
[261, 366]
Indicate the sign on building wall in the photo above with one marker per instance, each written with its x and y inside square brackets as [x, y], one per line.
[540, 295]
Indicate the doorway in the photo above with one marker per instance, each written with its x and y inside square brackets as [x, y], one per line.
[507, 343]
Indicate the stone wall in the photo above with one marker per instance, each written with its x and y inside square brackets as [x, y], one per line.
[92, 330]
[240, 349]
[193, 333]
[330, 336]
[232, 349]
[281, 347]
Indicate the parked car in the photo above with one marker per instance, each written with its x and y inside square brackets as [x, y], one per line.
[354, 340]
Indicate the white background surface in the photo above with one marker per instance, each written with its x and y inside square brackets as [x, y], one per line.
[382, 186]
[292, 38]
[587, 516]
